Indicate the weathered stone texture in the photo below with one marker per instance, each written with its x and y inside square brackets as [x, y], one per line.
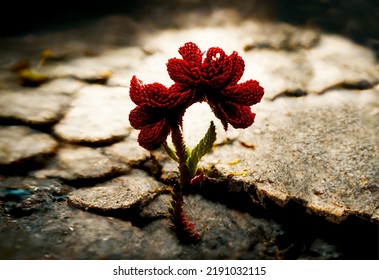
[98, 115]
[33, 107]
[75, 163]
[317, 153]
[320, 151]
[20, 143]
[128, 151]
[120, 193]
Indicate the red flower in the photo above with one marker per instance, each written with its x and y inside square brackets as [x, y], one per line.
[158, 110]
[214, 80]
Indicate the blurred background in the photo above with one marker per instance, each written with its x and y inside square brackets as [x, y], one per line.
[356, 19]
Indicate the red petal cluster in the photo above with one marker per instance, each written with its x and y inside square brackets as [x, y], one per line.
[158, 109]
[214, 80]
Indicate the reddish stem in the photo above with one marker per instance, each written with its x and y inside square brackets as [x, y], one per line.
[186, 231]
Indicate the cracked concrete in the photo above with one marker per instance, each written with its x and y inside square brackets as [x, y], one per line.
[322, 151]
[297, 184]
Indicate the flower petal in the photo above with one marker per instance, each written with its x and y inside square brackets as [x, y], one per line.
[191, 53]
[187, 70]
[186, 95]
[146, 95]
[136, 91]
[238, 68]
[156, 95]
[140, 117]
[215, 68]
[180, 71]
[220, 70]
[239, 116]
[153, 135]
[247, 93]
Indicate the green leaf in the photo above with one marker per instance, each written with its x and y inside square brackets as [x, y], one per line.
[188, 153]
[170, 152]
[201, 149]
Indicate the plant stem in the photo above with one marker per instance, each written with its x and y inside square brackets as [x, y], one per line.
[186, 231]
[181, 153]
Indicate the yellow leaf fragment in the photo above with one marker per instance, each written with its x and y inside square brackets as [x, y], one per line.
[242, 173]
[30, 77]
[234, 161]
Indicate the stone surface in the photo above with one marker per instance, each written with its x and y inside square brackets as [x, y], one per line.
[283, 37]
[33, 107]
[97, 115]
[124, 63]
[225, 233]
[157, 208]
[215, 222]
[7, 79]
[120, 193]
[40, 236]
[319, 151]
[84, 69]
[312, 69]
[337, 62]
[128, 151]
[166, 168]
[75, 163]
[38, 224]
[195, 127]
[307, 160]
[66, 86]
[280, 72]
[105, 237]
[225, 230]
[20, 143]
[22, 196]
[320, 249]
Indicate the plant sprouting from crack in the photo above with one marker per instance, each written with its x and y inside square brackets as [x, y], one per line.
[210, 77]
